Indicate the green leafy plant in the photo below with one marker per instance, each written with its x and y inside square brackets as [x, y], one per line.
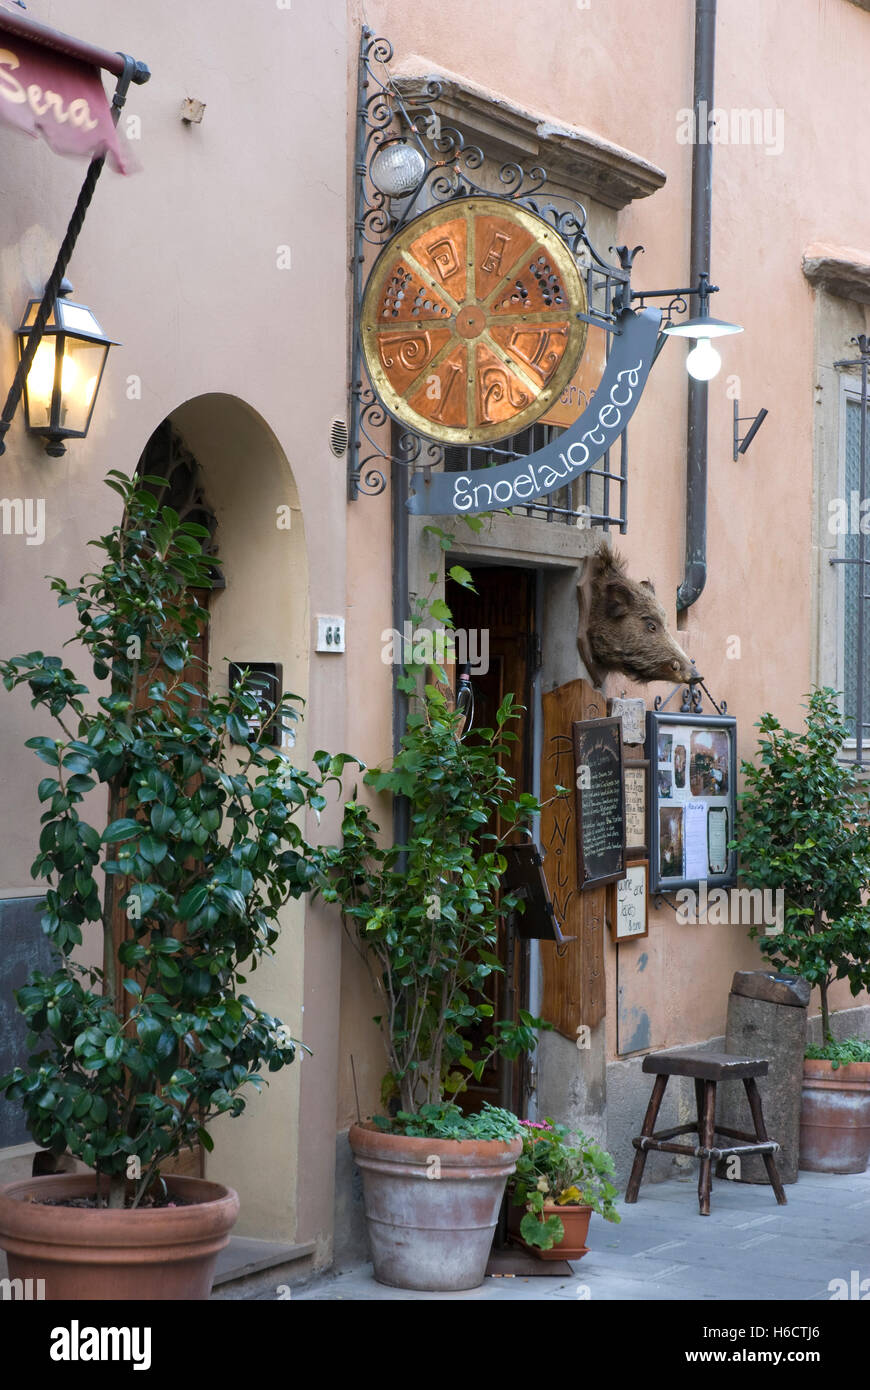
[199, 850]
[839, 1054]
[553, 1169]
[446, 1121]
[425, 915]
[803, 828]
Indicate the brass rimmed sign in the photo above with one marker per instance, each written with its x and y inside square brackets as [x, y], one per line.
[469, 321]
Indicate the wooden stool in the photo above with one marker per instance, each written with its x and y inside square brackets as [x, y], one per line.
[707, 1068]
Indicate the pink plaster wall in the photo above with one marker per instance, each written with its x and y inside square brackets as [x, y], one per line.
[623, 70]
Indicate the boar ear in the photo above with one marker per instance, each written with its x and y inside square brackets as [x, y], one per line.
[617, 599]
[648, 584]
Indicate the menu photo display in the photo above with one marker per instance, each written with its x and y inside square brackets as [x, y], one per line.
[693, 775]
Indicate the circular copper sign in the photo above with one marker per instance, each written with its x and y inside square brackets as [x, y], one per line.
[469, 321]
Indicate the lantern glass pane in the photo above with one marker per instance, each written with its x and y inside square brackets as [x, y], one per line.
[33, 310]
[80, 377]
[40, 383]
[77, 318]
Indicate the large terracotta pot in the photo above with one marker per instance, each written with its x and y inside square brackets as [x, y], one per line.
[81, 1253]
[572, 1246]
[835, 1118]
[431, 1205]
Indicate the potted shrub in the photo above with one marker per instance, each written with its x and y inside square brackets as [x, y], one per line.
[184, 876]
[835, 1107]
[560, 1182]
[425, 916]
[803, 828]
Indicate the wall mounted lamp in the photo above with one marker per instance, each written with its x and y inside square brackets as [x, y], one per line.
[61, 387]
[703, 362]
[397, 169]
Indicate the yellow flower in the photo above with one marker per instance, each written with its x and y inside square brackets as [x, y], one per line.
[569, 1196]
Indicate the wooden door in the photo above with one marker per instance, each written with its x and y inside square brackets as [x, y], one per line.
[504, 610]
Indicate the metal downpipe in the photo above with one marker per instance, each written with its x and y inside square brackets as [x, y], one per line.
[700, 237]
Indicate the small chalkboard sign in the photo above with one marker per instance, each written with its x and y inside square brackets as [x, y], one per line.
[600, 794]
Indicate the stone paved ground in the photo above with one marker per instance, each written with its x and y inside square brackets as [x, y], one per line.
[748, 1248]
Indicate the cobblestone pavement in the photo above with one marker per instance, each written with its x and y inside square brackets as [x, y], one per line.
[748, 1248]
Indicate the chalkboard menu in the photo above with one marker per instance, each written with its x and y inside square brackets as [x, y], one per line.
[600, 795]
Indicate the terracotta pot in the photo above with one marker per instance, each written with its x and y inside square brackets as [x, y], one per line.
[80, 1253]
[572, 1246]
[431, 1205]
[835, 1118]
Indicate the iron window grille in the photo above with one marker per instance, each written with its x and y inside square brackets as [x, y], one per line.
[855, 557]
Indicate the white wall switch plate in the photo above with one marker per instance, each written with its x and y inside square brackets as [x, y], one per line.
[330, 634]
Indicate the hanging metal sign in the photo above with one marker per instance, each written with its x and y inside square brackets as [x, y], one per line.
[569, 456]
[469, 321]
[55, 96]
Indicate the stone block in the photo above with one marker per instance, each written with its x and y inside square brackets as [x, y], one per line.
[758, 1028]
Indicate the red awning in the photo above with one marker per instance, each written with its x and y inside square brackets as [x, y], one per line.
[50, 86]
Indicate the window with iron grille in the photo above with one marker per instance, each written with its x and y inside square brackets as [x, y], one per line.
[855, 653]
[598, 497]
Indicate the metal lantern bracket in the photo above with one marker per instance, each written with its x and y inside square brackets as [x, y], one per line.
[741, 444]
[132, 71]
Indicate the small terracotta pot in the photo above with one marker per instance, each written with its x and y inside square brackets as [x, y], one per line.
[431, 1205]
[835, 1118]
[81, 1253]
[572, 1246]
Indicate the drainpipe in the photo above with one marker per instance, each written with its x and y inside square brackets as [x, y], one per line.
[401, 611]
[702, 202]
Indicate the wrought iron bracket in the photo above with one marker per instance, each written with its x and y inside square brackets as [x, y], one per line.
[692, 701]
[678, 297]
[742, 444]
[450, 166]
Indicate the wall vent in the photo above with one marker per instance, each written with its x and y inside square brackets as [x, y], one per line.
[338, 437]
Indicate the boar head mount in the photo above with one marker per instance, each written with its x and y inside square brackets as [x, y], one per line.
[623, 627]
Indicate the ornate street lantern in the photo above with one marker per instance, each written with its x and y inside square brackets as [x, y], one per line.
[62, 385]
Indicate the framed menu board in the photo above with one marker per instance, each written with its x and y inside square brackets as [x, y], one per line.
[600, 794]
[693, 800]
[636, 778]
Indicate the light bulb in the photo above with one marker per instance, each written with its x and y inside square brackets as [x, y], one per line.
[397, 169]
[703, 362]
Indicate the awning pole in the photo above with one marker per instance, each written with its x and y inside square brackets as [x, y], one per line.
[52, 287]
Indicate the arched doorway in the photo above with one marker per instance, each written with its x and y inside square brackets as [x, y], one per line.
[226, 470]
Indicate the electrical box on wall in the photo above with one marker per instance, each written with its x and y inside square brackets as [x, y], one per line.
[330, 634]
[266, 682]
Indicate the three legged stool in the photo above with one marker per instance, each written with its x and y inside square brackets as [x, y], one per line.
[707, 1069]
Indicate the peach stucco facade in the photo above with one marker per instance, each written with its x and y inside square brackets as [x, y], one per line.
[222, 266]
